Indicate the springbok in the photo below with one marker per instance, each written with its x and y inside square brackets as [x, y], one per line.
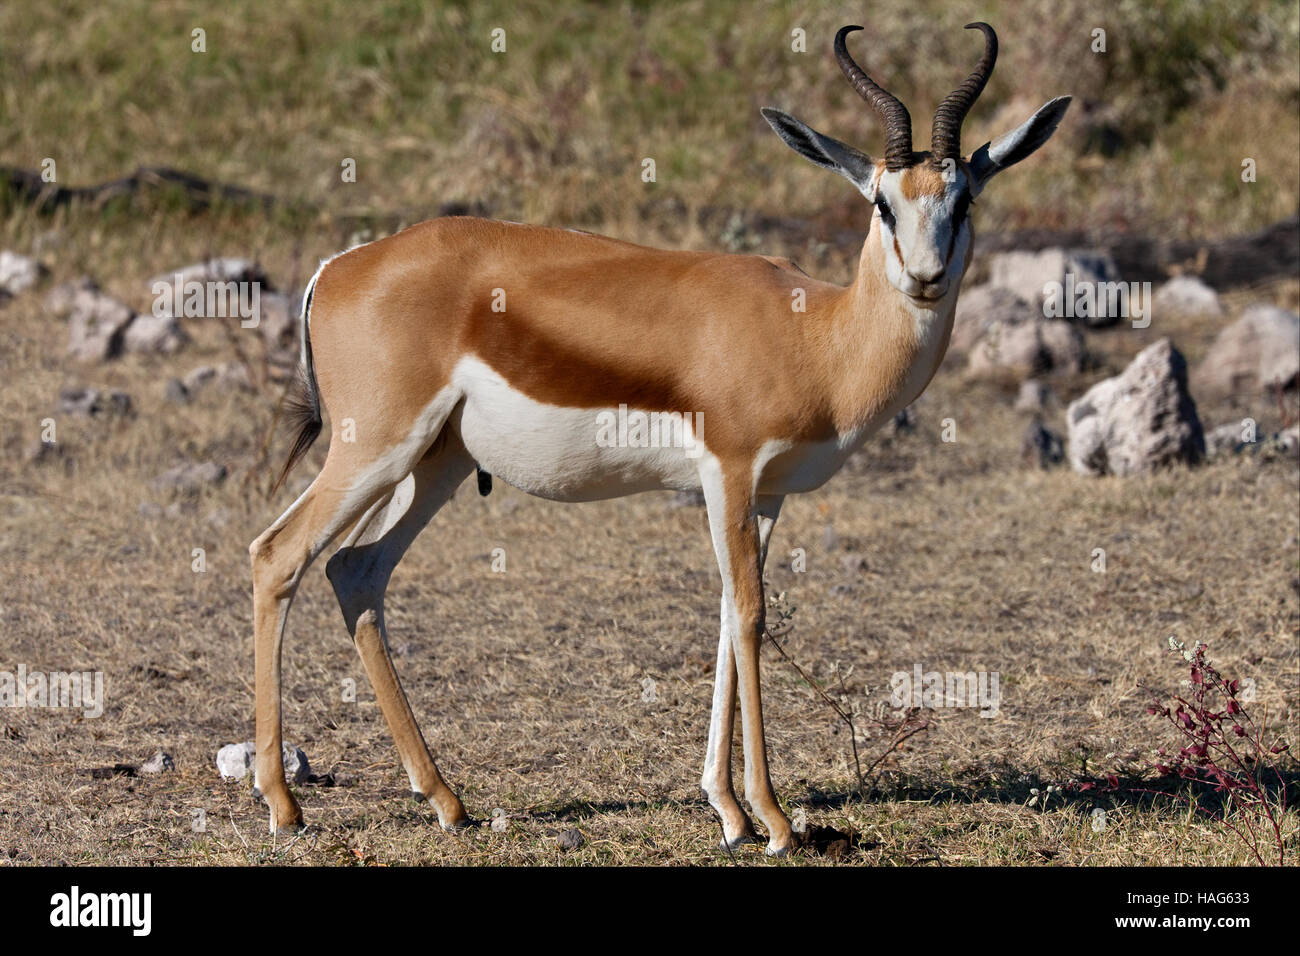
[461, 343]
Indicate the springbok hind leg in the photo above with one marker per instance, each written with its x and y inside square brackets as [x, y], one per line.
[360, 572]
[280, 556]
[354, 477]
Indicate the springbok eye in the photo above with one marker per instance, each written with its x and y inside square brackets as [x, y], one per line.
[886, 214]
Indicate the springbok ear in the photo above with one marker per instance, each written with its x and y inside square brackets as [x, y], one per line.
[854, 165]
[1010, 148]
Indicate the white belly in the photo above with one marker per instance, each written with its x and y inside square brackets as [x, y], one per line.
[566, 454]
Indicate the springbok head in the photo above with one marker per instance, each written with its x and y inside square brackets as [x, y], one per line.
[922, 199]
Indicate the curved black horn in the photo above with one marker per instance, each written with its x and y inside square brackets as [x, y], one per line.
[945, 138]
[898, 122]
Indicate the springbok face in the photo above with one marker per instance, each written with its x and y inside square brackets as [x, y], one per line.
[922, 200]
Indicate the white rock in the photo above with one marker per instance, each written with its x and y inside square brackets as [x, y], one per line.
[159, 334]
[64, 297]
[1031, 347]
[1142, 419]
[1286, 443]
[1031, 274]
[18, 273]
[1186, 296]
[1223, 440]
[981, 306]
[92, 403]
[167, 288]
[235, 762]
[217, 269]
[232, 374]
[1034, 396]
[1257, 352]
[159, 763]
[97, 323]
[277, 320]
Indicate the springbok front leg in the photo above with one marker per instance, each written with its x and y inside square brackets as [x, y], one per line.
[735, 527]
[360, 571]
[716, 781]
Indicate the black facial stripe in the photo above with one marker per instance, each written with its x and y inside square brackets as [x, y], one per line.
[961, 207]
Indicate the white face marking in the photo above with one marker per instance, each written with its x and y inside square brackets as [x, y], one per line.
[933, 258]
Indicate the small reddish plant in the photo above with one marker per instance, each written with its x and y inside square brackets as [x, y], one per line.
[1226, 750]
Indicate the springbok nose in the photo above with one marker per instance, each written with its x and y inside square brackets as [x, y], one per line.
[928, 277]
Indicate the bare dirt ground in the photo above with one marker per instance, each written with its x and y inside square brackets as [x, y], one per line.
[531, 684]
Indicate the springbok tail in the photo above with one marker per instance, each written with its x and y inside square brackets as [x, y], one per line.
[302, 411]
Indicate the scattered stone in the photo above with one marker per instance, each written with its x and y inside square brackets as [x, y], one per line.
[296, 768]
[192, 476]
[1030, 274]
[1041, 445]
[1230, 439]
[981, 306]
[1285, 444]
[160, 762]
[66, 296]
[175, 391]
[235, 762]
[1224, 440]
[1031, 347]
[277, 320]
[219, 269]
[92, 403]
[570, 840]
[18, 273]
[232, 374]
[184, 389]
[97, 323]
[1260, 351]
[1187, 296]
[160, 334]
[1140, 420]
[1035, 396]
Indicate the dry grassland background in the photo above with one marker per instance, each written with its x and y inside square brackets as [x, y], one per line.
[529, 684]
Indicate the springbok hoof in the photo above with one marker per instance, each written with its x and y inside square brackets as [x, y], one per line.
[735, 843]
